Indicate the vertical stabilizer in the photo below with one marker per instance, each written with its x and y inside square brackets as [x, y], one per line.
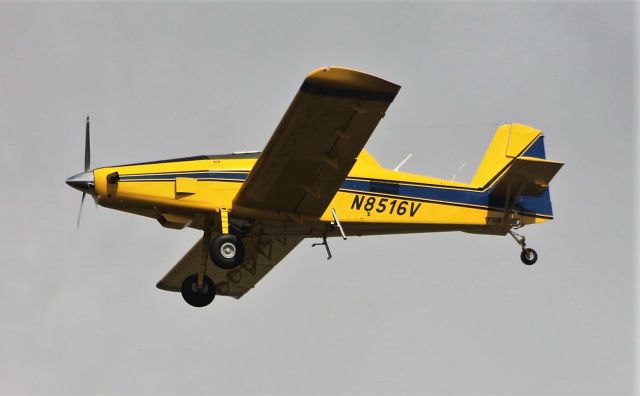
[510, 141]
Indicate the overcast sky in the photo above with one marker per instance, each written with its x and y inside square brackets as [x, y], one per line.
[431, 314]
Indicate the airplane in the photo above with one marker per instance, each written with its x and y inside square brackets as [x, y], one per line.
[315, 179]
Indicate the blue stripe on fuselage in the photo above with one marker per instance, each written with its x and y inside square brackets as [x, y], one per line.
[457, 196]
[484, 199]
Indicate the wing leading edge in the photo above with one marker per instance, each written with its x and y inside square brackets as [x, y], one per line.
[317, 142]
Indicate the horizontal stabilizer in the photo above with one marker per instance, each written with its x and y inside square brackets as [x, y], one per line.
[527, 176]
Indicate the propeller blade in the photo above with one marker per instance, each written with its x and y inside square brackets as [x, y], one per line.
[80, 212]
[87, 149]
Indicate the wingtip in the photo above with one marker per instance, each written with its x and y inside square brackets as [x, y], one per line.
[346, 77]
[347, 82]
[163, 286]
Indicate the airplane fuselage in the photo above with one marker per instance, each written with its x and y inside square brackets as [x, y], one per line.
[372, 200]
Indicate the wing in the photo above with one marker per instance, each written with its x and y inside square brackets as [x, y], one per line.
[261, 255]
[317, 141]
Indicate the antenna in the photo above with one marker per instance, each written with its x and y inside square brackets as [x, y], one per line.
[453, 178]
[402, 163]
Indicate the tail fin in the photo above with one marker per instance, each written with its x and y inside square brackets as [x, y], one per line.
[517, 173]
[509, 142]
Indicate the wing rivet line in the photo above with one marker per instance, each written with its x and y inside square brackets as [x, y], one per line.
[314, 192]
[359, 109]
[331, 161]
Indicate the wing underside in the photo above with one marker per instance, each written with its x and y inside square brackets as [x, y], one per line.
[261, 255]
[316, 143]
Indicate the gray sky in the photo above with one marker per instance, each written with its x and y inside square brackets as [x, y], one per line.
[430, 314]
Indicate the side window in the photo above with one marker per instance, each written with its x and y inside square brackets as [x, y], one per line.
[383, 187]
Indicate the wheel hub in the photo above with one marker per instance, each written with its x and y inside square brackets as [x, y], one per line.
[228, 250]
[196, 289]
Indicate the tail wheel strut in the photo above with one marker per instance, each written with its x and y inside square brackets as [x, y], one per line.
[528, 255]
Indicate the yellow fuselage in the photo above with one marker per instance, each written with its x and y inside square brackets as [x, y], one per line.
[372, 200]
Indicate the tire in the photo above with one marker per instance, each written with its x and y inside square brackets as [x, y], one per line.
[529, 256]
[198, 297]
[226, 251]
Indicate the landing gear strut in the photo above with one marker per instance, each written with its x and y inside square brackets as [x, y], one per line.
[528, 255]
[198, 290]
[226, 251]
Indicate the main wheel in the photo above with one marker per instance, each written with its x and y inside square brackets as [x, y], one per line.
[198, 297]
[529, 256]
[226, 251]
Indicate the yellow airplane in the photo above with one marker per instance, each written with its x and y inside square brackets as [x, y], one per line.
[315, 180]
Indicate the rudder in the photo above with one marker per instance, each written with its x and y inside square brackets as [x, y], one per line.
[510, 141]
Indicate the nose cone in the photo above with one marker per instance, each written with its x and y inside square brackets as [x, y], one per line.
[83, 182]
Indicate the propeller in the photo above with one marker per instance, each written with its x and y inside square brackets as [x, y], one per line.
[84, 181]
[87, 166]
[80, 211]
[87, 148]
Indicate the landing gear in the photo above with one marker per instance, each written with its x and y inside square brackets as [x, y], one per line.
[198, 296]
[226, 251]
[528, 255]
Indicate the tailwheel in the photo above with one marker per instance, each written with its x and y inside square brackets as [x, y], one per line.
[529, 256]
[198, 296]
[226, 251]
